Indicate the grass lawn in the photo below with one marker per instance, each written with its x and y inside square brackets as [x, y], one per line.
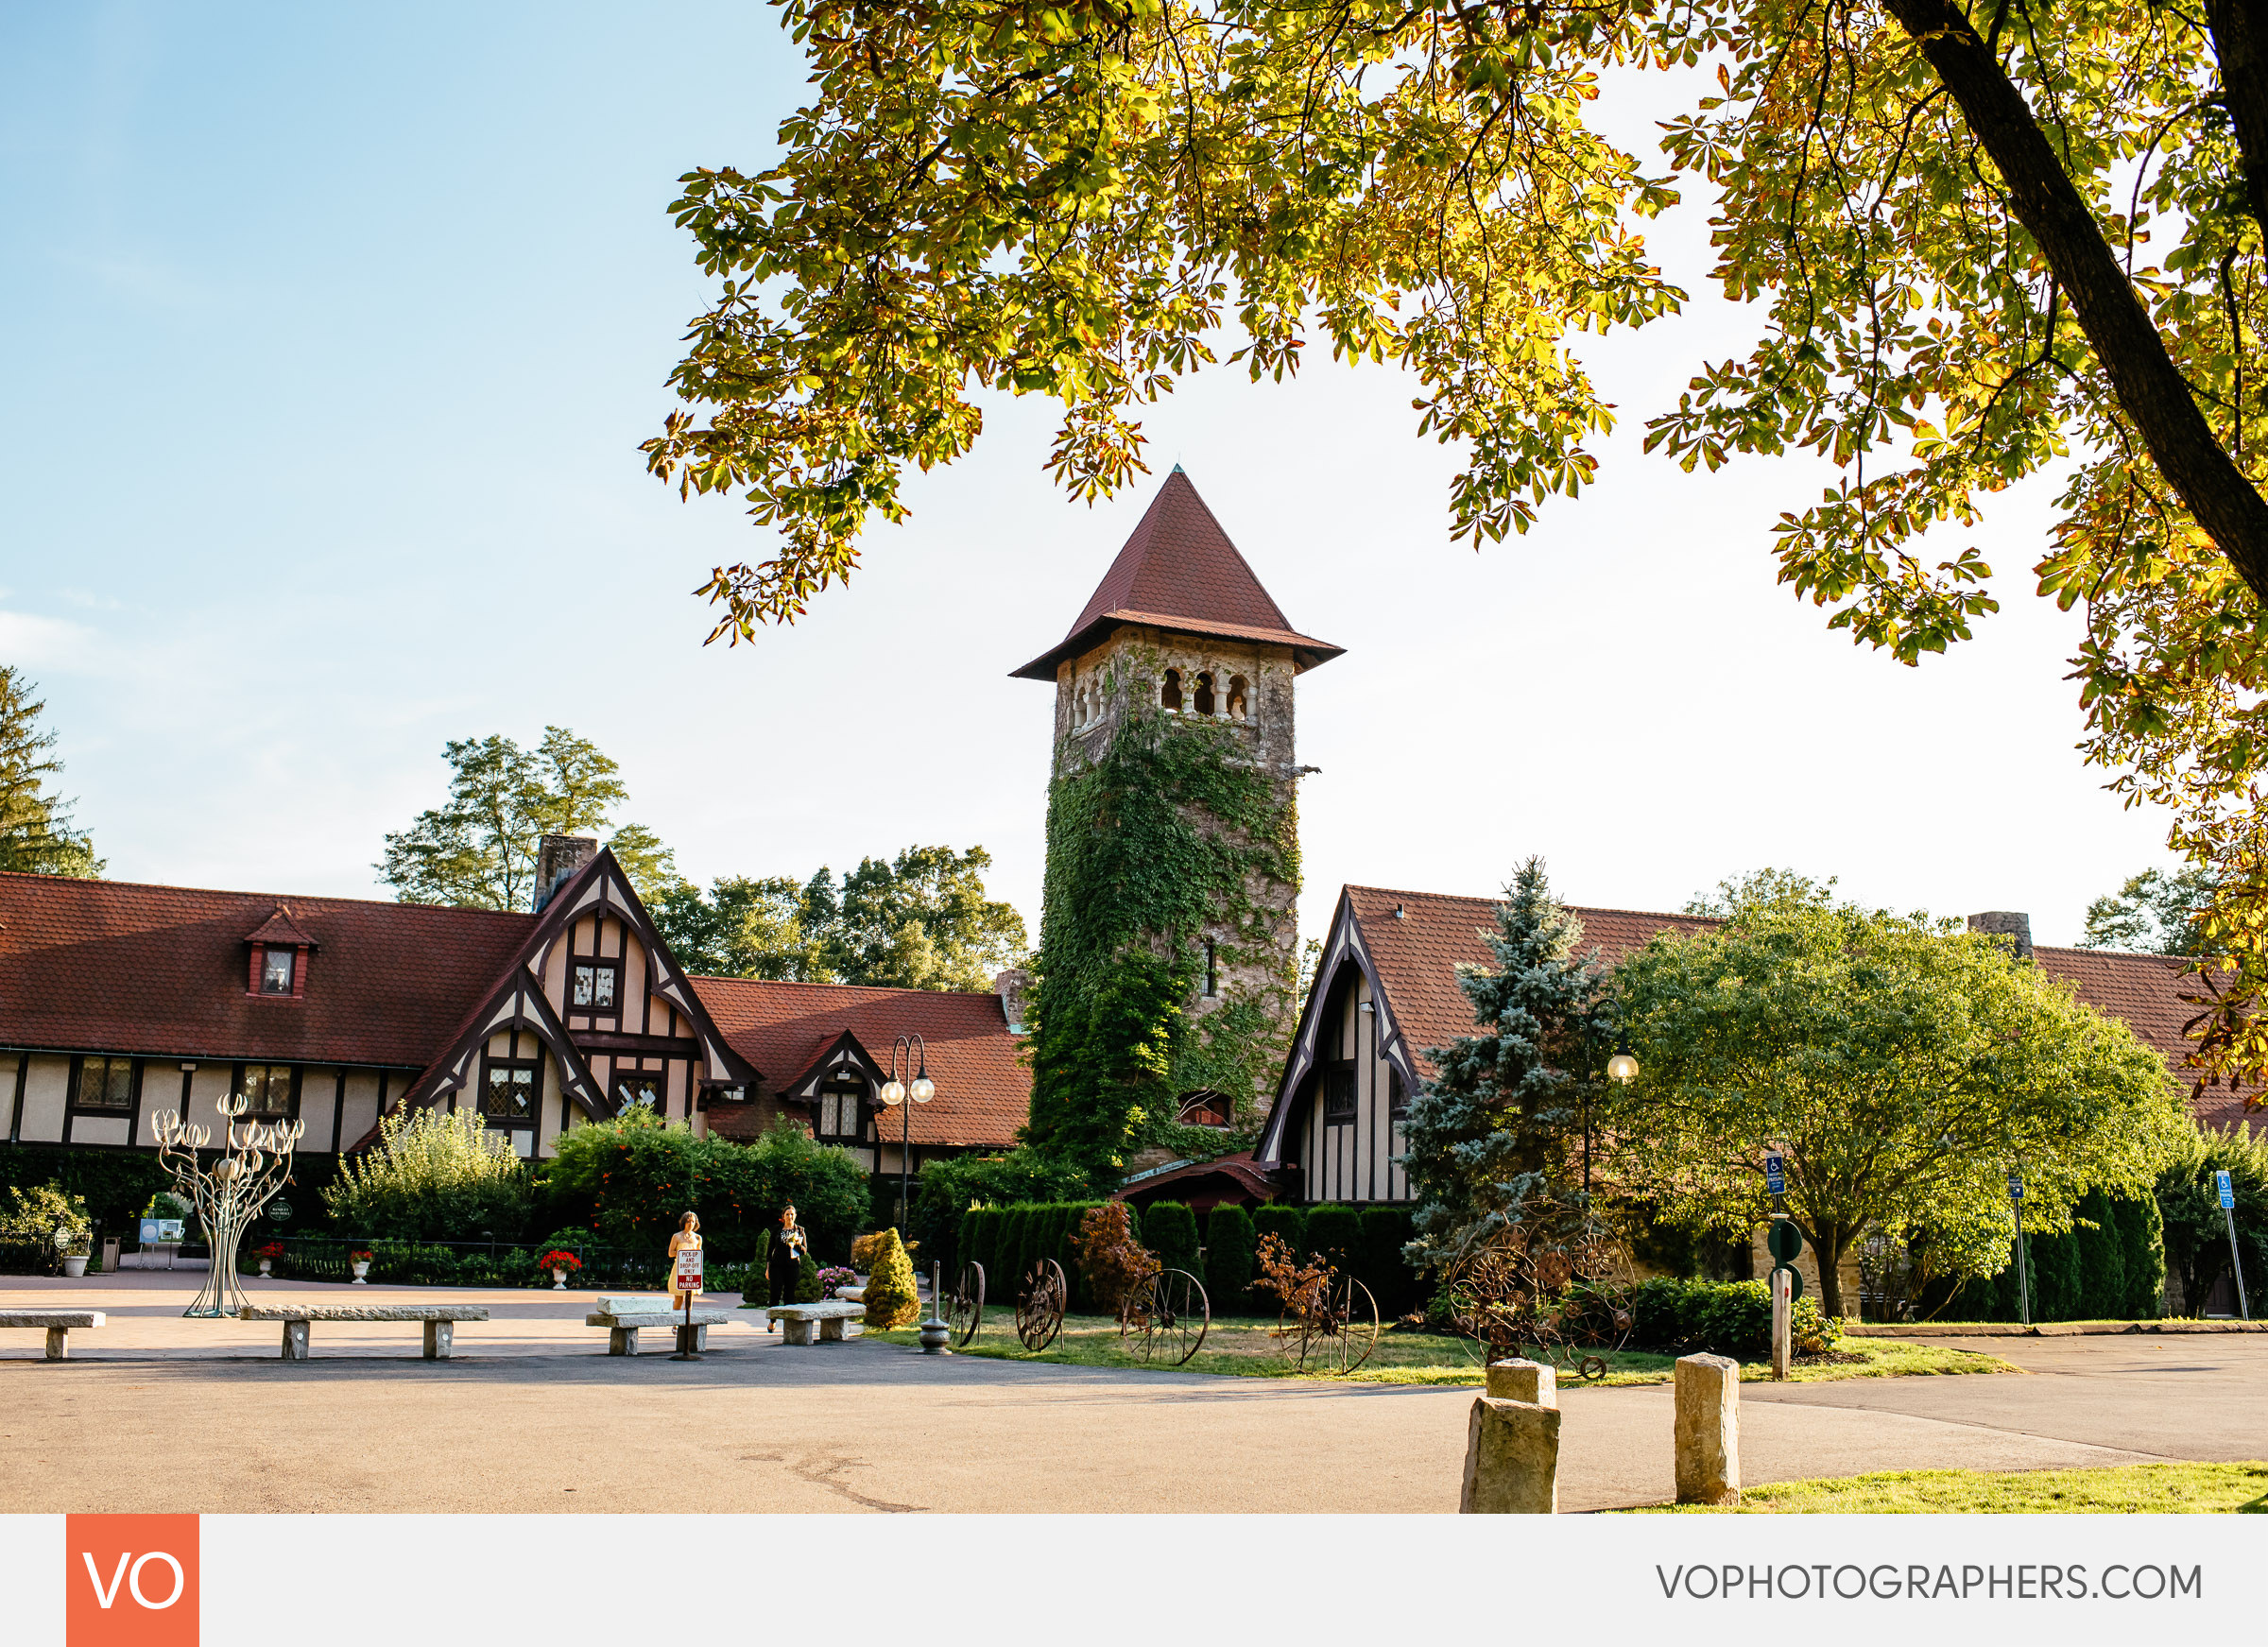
[2119, 1490]
[1247, 1347]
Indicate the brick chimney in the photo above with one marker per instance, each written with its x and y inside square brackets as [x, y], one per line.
[1013, 987]
[2009, 923]
[558, 857]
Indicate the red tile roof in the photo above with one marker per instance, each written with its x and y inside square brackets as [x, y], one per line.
[1179, 571]
[984, 1089]
[1419, 953]
[116, 966]
[1418, 957]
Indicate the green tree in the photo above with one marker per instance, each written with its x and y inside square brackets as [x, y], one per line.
[479, 850]
[2159, 912]
[1902, 1066]
[1486, 1137]
[434, 1175]
[35, 837]
[1980, 245]
[918, 921]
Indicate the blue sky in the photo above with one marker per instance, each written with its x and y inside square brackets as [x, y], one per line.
[329, 336]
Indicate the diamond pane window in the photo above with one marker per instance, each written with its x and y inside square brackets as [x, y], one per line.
[592, 989]
[106, 1083]
[266, 1089]
[509, 1095]
[275, 973]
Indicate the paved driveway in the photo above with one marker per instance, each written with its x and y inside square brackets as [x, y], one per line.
[158, 1412]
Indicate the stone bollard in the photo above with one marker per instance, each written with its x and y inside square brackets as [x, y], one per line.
[1709, 1429]
[1511, 1459]
[1525, 1380]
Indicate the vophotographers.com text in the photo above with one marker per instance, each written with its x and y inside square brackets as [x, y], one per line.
[1913, 1581]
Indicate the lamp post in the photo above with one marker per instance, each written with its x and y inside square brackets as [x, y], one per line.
[1621, 1069]
[902, 1096]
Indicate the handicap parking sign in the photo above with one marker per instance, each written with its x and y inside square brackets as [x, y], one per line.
[1776, 1175]
[2228, 1191]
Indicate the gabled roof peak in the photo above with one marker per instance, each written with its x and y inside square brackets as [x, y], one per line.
[1179, 571]
[280, 929]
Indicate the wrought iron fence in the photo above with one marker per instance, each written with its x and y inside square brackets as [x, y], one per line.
[474, 1264]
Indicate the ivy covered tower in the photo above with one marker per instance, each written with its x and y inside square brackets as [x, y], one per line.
[1168, 942]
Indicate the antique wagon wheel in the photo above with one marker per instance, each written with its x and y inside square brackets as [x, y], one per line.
[1039, 1305]
[1355, 1326]
[964, 1305]
[1166, 1318]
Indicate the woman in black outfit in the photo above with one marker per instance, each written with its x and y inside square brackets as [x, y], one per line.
[784, 1263]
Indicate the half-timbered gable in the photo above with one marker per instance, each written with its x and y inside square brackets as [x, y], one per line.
[1386, 992]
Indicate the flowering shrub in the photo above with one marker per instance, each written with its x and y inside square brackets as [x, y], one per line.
[556, 1259]
[833, 1276]
[1111, 1260]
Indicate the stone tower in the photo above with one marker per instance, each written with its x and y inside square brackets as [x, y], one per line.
[1180, 627]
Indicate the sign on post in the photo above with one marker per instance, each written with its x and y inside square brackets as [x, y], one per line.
[2236, 1259]
[2016, 1188]
[689, 1271]
[1776, 1175]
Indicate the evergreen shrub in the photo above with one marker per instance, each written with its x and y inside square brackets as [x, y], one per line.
[1229, 1243]
[1336, 1233]
[808, 1289]
[1731, 1318]
[1015, 1223]
[1288, 1224]
[1379, 1263]
[892, 1298]
[1170, 1230]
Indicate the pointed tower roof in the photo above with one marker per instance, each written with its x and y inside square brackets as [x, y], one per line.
[1179, 571]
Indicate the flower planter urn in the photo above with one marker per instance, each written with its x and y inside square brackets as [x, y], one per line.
[264, 1263]
[362, 1272]
[75, 1264]
[559, 1279]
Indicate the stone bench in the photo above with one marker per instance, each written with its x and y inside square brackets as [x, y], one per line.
[622, 1318]
[829, 1318]
[441, 1321]
[59, 1324]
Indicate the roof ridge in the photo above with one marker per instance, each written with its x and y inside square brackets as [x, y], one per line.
[1473, 898]
[6, 875]
[868, 988]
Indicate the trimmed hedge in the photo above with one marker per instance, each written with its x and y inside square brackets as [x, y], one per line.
[1289, 1224]
[1336, 1233]
[1169, 1229]
[1731, 1318]
[1229, 1243]
[2114, 1271]
[1379, 1263]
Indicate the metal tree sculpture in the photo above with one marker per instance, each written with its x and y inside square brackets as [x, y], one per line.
[253, 1163]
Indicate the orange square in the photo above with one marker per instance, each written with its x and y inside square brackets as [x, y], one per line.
[130, 1581]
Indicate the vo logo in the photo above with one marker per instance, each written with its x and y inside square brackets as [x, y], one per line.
[130, 1581]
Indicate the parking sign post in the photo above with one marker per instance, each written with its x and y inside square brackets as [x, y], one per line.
[2236, 1260]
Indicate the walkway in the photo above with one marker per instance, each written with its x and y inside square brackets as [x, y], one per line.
[158, 1412]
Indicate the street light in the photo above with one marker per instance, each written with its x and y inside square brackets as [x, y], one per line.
[1621, 1069]
[902, 1096]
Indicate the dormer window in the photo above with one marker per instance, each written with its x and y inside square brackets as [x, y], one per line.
[276, 972]
[279, 953]
[591, 986]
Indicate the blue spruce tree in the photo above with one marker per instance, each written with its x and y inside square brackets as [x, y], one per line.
[1488, 1140]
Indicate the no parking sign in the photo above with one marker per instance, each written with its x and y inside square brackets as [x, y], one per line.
[688, 1271]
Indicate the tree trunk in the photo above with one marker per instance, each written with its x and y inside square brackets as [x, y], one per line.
[2149, 387]
[2240, 42]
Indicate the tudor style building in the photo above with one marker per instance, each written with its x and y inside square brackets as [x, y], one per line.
[118, 1001]
[1385, 992]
